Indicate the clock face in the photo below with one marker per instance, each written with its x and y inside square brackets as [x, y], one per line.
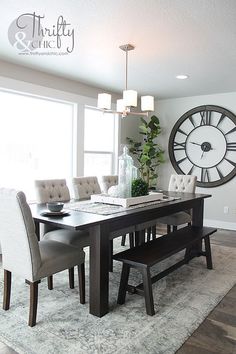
[203, 143]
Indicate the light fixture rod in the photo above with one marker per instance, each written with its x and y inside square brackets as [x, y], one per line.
[126, 48]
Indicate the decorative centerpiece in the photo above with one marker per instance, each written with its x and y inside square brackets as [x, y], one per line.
[139, 187]
[130, 189]
[127, 172]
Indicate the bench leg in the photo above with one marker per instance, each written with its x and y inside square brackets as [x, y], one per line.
[111, 255]
[168, 229]
[123, 284]
[147, 286]
[208, 252]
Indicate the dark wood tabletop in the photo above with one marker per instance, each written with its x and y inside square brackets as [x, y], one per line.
[101, 226]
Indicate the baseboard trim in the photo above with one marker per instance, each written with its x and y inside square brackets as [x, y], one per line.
[220, 224]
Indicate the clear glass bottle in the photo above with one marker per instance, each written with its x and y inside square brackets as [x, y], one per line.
[125, 174]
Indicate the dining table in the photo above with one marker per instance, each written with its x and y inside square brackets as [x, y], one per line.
[103, 228]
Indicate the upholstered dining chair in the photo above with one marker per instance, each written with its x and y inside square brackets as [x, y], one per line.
[52, 190]
[105, 183]
[108, 181]
[84, 187]
[183, 184]
[25, 256]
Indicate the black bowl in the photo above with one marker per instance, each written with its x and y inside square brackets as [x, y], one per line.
[55, 206]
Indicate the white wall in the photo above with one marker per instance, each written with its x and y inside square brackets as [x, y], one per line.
[169, 111]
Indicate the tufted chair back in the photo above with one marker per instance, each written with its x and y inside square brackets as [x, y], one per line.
[20, 248]
[107, 182]
[182, 183]
[84, 187]
[51, 190]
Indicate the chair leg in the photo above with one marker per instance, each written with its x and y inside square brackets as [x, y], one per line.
[81, 273]
[208, 252]
[33, 303]
[131, 239]
[123, 284]
[7, 290]
[154, 232]
[147, 286]
[123, 240]
[149, 231]
[71, 278]
[50, 282]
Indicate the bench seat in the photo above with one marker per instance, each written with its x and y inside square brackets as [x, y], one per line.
[148, 254]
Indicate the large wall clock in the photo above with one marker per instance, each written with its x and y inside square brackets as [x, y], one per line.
[203, 143]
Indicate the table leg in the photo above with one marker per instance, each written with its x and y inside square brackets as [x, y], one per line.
[197, 214]
[99, 270]
[197, 220]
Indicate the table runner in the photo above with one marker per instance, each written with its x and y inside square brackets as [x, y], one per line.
[108, 209]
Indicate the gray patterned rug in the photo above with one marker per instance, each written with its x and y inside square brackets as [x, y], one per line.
[182, 301]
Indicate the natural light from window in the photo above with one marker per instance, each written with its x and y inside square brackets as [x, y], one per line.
[100, 142]
[35, 140]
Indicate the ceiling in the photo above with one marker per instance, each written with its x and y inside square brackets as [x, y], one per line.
[194, 37]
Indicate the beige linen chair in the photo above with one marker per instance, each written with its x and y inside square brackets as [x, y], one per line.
[52, 190]
[184, 184]
[27, 257]
[84, 187]
[107, 182]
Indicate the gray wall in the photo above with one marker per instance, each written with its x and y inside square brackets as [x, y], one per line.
[169, 111]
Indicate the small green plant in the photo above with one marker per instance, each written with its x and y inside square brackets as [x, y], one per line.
[148, 153]
[139, 187]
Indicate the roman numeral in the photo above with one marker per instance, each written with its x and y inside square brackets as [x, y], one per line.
[219, 172]
[179, 146]
[231, 146]
[205, 118]
[231, 162]
[205, 177]
[221, 118]
[231, 131]
[179, 161]
[192, 121]
[182, 132]
[191, 170]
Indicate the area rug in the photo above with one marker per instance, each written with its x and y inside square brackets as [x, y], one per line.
[182, 301]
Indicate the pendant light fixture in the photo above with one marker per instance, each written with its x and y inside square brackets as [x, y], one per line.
[130, 97]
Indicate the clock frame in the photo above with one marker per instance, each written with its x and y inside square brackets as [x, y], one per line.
[203, 142]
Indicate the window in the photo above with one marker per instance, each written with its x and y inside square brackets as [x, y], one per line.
[35, 140]
[100, 142]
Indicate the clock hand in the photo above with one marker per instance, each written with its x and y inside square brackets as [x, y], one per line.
[202, 154]
[208, 148]
[192, 142]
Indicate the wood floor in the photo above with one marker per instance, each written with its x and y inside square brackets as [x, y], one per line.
[217, 334]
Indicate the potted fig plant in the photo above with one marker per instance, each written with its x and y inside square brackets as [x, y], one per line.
[148, 153]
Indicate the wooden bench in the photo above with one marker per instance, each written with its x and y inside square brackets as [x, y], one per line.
[148, 254]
